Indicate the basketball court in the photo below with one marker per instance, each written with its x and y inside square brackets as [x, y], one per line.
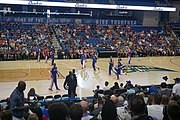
[143, 71]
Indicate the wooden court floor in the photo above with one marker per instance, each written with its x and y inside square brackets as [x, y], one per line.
[143, 71]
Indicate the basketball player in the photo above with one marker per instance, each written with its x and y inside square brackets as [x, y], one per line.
[94, 61]
[83, 58]
[38, 55]
[46, 55]
[54, 72]
[129, 54]
[111, 64]
[119, 67]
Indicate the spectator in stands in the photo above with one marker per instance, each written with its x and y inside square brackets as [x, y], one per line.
[44, 110]
[144, 96]
[153, 89]
[122, 111]
[31, 93]
[130, 89]
[164, 90]
[17, 101]
[109, 111]
[84, 105]
[114, 99]
[156, 110]
[150, 100]
[76, 112]
[38, 112]
[174, 111]
[91, 109]
[176, 87]
[116, 86]
[106, 86]
[33, 117]
[96, 91]
[175, 98]
[6, 115]
[121, 86]
[98, 106]
[138, 108]
[135, 88]
[154, 41]
[165, 100]
[57, 111]
[128, 83]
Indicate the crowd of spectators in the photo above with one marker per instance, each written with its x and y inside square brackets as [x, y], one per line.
[115, 38]
[24, 40]
[124, 102]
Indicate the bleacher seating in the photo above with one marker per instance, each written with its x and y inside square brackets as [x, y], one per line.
[102, 1]
[75, 36]
[138, 2]
[146, 28]
[176, 25]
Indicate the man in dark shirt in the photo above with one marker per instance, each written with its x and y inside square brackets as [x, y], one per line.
[70, 84]
[17, 101]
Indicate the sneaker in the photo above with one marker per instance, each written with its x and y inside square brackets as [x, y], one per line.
[50, 89]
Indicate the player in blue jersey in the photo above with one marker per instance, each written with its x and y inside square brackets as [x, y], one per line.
[38, 55]
[111, 64]
[52, 57]
[83, 58]
[54, 72]
[119, 67]
[94, 61]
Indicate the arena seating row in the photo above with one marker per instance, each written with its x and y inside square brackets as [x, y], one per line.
[146, 28]
[139, 2]
[175, 25]
[75, 36]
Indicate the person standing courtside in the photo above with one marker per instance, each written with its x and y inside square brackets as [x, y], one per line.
[54, 72]
[70, 84]
[17, 102]
[176, 87]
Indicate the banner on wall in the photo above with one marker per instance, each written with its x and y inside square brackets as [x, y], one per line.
[71, 20]
[86, 5]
